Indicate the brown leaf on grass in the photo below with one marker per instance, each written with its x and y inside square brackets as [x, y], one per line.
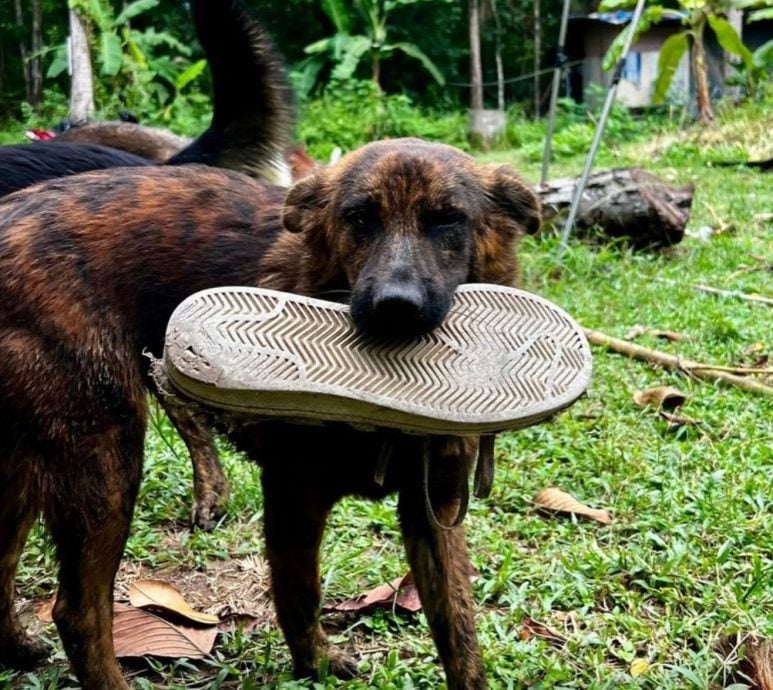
[45, 610]
[137, 632]
[750, 658]
[638, 330]
[401, 593]
[159, 595]
[677, 420]
[754, 348]
[756, 353]
[531, 628]
[670, 335]
[635, 331]
[666, 397]
[557, 500]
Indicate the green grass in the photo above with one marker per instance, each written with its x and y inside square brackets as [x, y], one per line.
[689, 555]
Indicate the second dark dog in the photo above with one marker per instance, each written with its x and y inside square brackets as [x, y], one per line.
[250, 132]
[91, 268]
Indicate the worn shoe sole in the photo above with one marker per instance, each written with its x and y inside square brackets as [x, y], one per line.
[503, 359]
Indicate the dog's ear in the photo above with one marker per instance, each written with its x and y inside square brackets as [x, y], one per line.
[511, 210]
[514, 199]
[305, 203]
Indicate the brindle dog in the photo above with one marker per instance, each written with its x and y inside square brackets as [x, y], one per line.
[91, 268]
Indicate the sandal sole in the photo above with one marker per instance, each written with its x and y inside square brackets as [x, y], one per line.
[503, 359]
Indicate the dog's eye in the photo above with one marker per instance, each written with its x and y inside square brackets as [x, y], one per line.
[445, 218]
[362, 217]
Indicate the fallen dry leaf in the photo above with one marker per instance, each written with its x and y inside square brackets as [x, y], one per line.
[137, 632]
[635, 332]
[666, 397]
[639, 667]
[677, 420]
[750, 658]
[401, 593]
[638, 330]
[670, 335]
[45, 610]
[531, 628]
[754, 348]
[160, 595]
[555, 499]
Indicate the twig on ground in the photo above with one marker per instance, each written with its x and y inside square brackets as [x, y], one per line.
[674, 363]
[717, 291]
[735, 370]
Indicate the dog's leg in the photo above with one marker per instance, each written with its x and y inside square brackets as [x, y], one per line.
[88, 511]
[440, 564]
[210, 485]
[18, 510]
[295, 516]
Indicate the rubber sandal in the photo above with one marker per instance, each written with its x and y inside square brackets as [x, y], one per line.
[503, 359]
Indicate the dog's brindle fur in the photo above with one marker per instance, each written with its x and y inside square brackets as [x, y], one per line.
[251, 127]
[91, 268]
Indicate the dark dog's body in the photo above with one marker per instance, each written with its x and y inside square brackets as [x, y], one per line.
[250, 131]
[91, 268]
[22, 165]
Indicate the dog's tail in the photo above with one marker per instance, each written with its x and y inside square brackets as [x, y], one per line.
[253, 111]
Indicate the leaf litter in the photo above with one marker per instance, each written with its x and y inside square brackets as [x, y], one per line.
[557, 500]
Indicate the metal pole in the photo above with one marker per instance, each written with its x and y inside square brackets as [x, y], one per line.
[578, 192]
[558, 69]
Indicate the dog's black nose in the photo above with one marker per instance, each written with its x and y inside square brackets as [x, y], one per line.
[397, 307]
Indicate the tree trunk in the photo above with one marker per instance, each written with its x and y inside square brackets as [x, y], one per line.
[485, 125]
[476, 70]
[2, 67]
[375, 63]
[19, 17]
[82, 85]
[498, 56]
[624, 202]
[700, 70]
[537, 57]
[35, 71]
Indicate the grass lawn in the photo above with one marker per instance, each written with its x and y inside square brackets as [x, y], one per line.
[688, 557]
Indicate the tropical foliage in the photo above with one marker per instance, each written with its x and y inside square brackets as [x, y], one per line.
[696, 15]
[347, 49]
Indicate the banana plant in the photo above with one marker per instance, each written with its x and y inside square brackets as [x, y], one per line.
[347, 49]
[695, 15]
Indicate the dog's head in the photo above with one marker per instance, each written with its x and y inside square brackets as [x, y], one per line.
[402, 223]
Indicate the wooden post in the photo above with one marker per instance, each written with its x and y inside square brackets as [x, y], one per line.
[82, 83]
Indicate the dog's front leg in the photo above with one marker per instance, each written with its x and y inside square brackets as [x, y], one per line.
[296, 512]
[440, 564]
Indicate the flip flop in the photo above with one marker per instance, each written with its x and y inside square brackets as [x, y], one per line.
[503, 359]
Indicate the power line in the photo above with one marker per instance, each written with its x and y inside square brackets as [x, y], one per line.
[530, 75]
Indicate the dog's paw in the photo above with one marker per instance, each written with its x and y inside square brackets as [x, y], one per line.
[23, 653]
[206, 512]
[340, 664]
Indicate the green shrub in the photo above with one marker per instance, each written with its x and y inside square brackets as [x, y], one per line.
[353, 113]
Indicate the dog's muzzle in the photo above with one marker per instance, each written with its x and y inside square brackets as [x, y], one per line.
[398, 310]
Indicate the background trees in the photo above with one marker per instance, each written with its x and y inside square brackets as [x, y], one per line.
[141, 48]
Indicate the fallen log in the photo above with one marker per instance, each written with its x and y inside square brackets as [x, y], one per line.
[622, 202]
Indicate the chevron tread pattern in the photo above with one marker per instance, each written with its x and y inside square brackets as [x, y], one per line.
[500, 352]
